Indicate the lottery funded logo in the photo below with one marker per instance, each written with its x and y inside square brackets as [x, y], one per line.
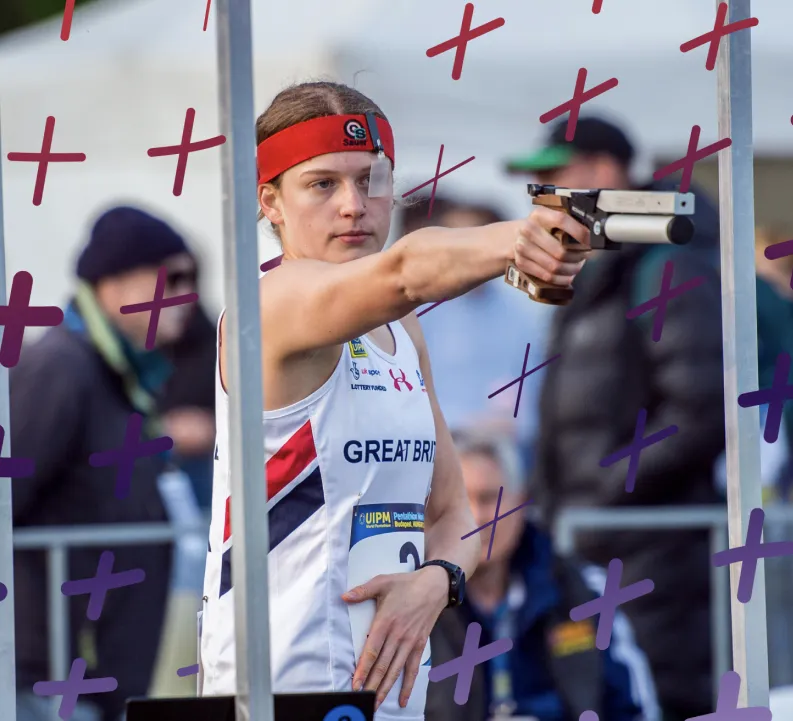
[421, 380]
[355, 132]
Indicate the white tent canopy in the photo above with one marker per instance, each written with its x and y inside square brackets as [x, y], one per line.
[529, 66]
[124, 80]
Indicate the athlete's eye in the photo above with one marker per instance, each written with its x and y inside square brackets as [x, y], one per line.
[319, 184]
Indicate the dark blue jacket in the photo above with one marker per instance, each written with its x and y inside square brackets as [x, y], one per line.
[552, 679]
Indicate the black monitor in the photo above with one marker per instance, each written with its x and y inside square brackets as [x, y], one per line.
[347, 706]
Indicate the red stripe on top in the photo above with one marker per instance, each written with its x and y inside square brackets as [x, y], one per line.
[227, 524]
[288, 462]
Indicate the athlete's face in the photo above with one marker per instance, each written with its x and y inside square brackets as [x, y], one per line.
[323, 209]
[483, 478]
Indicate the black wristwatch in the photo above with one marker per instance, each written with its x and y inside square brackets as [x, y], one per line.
[456, 581]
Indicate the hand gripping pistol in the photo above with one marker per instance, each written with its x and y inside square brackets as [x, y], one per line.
[613, 217]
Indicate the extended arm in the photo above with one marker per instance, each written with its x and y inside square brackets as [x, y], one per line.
[312, 304]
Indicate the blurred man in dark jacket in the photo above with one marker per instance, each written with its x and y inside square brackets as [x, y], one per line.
[523, 591]
[609, 370]
[72, 395]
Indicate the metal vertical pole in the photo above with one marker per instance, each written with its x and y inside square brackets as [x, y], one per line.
[244, 364]
[739, 321]
[8, 701]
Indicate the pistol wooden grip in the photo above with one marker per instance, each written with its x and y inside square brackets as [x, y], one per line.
[537, 289]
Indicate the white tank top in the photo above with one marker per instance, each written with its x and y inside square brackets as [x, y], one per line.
[348, 476]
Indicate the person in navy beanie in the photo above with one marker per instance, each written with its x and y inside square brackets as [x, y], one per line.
[72, 395]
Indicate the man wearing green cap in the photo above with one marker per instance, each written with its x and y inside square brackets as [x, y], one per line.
[610, 369]
[599, 156]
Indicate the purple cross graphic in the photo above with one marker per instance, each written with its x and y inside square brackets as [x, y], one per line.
[436, 178]
[589, 716]
[101, 583]
[73, 687]
[3, 592]
[661, 300]
[749, 554]
[187, 671]
[523, 374]
[460, 42]
[634, 450]
[780, 250]
[463, 666]
[19, 315]
[606, 605]
[14, 467]
[126, 456]
[727, 704]
[714, 37]
[776, 396]
[495, 521]
[157, 304]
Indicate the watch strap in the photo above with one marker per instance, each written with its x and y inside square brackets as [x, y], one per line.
[456, 580]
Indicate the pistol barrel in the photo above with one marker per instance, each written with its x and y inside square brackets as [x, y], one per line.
[629, 228]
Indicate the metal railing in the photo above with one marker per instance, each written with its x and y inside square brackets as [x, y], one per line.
[56, 540]
[711, 518]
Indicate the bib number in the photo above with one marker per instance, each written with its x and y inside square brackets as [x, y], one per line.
[385, 539]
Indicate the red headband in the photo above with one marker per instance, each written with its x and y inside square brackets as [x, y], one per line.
[306, 140]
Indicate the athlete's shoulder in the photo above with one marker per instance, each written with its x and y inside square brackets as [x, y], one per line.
[411, 324]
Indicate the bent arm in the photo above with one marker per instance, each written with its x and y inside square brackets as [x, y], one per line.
[312, 304]
[448, 516]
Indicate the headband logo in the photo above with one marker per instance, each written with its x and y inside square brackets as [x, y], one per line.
[355, 132]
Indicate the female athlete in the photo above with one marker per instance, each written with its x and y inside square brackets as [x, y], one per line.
[366, 504]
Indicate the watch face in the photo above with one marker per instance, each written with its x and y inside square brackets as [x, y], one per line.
[460, 586]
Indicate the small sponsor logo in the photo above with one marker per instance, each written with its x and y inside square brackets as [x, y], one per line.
[355, 132]
[358, 372]
[357, 349]
[421, 380]
[401, 379]
[570, 638]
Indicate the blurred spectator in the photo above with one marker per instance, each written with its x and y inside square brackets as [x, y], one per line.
[775, 336]
[416, 212]
[187, 406]
[72, 395]
[525, 592]
[609, 370]
[478, 341]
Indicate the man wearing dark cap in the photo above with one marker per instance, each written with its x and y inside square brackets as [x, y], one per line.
[599, 156]
[72, 395]
[608, 371]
